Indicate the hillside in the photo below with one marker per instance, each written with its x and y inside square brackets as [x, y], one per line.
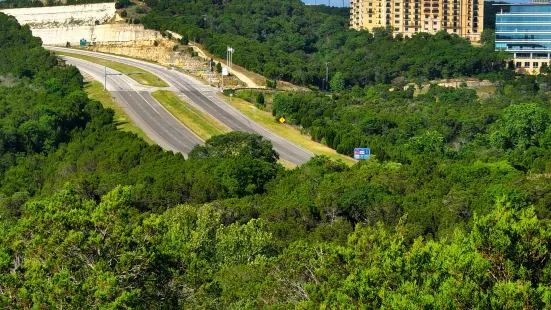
[455, 215]
[287, 40]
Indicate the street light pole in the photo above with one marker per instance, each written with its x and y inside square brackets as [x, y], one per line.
[121, 73]
[229, 56]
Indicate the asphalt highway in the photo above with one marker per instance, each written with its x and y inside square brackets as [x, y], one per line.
[145, 111]
[204, 97]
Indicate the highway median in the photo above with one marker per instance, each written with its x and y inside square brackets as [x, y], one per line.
[200, 123]
[144, 77]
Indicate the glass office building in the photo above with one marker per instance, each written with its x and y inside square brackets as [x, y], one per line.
[524, 30]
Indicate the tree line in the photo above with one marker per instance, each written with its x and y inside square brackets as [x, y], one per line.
[287, 40]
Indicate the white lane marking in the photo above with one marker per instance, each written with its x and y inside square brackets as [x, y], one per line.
[176, 125]
[174, 148]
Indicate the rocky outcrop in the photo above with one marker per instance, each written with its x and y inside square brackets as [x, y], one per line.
[162, 52]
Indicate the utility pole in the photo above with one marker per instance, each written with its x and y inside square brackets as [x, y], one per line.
[326, 74]
[210, 72]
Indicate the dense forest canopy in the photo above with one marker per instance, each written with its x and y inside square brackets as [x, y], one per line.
[451, 213]
[290, 41]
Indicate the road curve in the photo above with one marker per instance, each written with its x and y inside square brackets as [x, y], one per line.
[145, 111]
[205, 97]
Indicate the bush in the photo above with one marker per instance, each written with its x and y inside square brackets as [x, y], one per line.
[124, 13]
[122, 4]
[271, 84]
[260, 99]
[137, 21]
[140, 10]
[184, 40]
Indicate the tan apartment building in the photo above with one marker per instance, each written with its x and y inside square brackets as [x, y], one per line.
[461, 17]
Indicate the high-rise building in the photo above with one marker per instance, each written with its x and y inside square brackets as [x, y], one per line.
[461, 17]
[524, 30]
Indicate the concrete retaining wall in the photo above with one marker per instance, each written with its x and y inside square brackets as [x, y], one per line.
[70, 15]
[101, 33]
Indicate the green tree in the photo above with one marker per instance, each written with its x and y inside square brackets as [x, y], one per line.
[260, 99]
[338, 83]
[243, 244]
[523, 124]
[184, 40]
[234, 145]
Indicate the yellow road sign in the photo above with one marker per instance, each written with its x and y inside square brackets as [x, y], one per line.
[282, 120]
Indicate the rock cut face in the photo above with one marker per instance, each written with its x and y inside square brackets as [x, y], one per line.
[64, 16]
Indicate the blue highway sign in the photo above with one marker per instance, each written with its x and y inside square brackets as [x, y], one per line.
[362, 153]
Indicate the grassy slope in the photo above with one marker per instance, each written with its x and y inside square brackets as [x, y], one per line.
[124, 122]
[289, 132]
[145, 78]
[200, 123]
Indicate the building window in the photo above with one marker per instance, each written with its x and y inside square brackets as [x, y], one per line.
[536, 65]
[518, 65]
[527, 64]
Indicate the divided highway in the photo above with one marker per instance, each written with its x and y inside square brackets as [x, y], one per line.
[204, 96]
[136, 100]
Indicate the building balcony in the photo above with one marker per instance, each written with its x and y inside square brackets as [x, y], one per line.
[525, 49]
